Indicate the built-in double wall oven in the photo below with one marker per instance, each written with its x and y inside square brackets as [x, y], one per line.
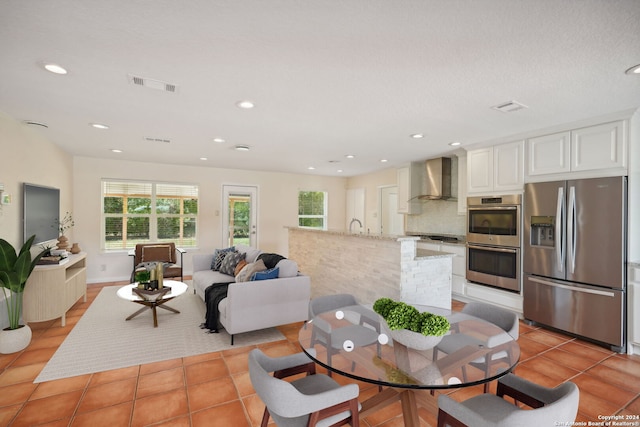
[493, 241]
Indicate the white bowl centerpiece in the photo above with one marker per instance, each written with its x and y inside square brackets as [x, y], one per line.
[409, 327]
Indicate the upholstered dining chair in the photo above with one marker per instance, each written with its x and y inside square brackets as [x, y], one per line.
[325, 303]
[550, 406]
[159, 252]
[311, 400]
[364, 332]
[505, 319]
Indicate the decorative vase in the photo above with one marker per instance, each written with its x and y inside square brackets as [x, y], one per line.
[75, 249]
[14, 340]
[63, 242]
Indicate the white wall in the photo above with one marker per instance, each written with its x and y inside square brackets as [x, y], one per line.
[371, 184]
[27, 156]
[277, 204]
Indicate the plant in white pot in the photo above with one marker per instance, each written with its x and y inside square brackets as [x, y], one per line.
[15, 269]
[420, 331]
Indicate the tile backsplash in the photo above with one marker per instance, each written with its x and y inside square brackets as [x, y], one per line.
[438, 217]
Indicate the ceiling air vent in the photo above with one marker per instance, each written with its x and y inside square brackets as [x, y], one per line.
[509, 107]
[153, 84]
[150, 139]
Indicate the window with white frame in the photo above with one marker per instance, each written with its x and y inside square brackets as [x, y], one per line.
[143, 212]
[312, 209]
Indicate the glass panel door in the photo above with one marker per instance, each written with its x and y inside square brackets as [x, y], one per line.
[240, 216]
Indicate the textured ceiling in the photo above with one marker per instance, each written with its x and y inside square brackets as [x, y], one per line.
[329, 78]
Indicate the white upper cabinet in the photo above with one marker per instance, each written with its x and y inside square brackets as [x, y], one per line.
[480, 170]
[593, 148]
[549, 154]
[598, 147]
[409, 188]
[462, 184]
[496, 169]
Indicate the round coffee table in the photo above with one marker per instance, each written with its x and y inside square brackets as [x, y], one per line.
[150, 300]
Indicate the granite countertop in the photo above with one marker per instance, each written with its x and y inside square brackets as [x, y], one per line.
[346, 233]
[429, 254]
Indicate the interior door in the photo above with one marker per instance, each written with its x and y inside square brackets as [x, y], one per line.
[240, 215]
[391, 222]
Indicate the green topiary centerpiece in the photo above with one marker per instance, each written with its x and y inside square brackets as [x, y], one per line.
[400, 315]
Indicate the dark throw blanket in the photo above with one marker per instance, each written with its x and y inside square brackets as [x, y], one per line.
[212, 297]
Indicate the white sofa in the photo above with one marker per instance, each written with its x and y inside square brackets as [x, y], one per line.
[251, 306]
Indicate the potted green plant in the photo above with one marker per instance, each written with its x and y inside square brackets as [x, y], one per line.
[420, 331]
[15, 269]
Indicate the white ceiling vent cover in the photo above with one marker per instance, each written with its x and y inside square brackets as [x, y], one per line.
[152, 84]
[509, 107]
[151, 139]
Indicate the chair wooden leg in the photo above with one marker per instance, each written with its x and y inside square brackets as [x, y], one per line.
[265, 418]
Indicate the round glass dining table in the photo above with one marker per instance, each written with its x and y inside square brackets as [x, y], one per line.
[355, 342]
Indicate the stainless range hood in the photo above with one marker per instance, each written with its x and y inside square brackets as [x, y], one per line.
[438, 179]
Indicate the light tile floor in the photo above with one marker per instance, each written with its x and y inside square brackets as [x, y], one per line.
[214, 389]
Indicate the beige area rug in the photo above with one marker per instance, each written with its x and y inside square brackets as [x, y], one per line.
[102, 340]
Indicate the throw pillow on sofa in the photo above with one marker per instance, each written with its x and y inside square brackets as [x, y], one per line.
[271, 273]
[230, 262]
[218, 257]
[240, 266]
[249, 269]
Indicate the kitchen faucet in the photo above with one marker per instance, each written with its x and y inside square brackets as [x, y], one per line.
[351, 224]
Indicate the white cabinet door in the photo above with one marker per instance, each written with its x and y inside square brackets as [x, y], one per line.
[403, 176]
[634, 310]
[480, 170]
[409, 188]
[549, 154]
[496, 169]
[462, 185]
[588, 149]
[598, 147]
[508, 166]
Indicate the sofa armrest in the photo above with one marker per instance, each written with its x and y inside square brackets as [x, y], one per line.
[202, 262]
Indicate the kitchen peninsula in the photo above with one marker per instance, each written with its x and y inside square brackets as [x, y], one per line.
[371, 266]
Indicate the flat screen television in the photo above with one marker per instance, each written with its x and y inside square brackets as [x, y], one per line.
[41, 212]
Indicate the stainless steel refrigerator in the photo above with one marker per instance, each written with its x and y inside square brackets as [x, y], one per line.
[574, 257]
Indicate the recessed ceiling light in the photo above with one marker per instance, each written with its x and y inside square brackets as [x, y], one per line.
[634, 70]
[350, 156]
[99, 126]
[203, 158]
[417, 135]
[115, 150]
[245, 104]
[454, 143]
[242, 147]
[55, 68]
[339, 171]
[218, 140]
[383, 161]
[311, 168]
